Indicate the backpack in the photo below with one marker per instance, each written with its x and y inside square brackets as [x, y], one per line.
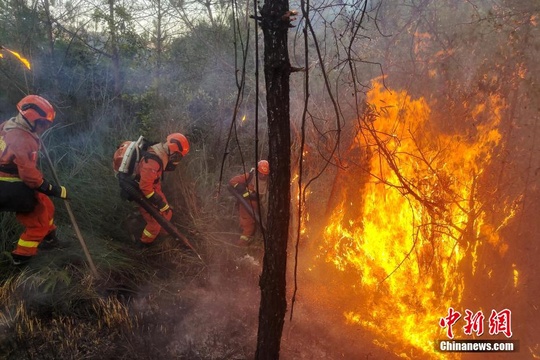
[129, 153]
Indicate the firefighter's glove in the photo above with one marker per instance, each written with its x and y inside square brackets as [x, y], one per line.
[243, 190]
[52, 190]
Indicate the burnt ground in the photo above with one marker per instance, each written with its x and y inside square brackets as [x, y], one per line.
[215, 316]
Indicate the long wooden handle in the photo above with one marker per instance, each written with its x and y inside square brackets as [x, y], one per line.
[71, 215]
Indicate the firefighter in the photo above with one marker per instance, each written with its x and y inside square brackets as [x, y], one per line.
[160, 157]
[23, 189]
[248, 209]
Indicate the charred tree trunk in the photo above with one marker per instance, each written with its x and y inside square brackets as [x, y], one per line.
[275, 25]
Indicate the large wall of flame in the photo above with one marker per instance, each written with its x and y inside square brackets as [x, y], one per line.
[420, 216]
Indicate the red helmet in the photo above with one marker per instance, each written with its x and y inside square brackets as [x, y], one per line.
[263, 167]
[178, 143]
[34, 107]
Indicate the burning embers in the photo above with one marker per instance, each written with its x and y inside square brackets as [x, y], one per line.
[421, 222]
[16, 55]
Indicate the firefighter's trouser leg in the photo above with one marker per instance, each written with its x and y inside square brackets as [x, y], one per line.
[152, 228]
[38, 224]
[247, 223]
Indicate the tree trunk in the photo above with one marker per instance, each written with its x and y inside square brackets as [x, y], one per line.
[50, 37]
[273, 279]
[159, 46]
[49, 29]
[117, 76]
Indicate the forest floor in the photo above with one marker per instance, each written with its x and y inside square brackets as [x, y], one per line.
[191, 309]
[215, 314]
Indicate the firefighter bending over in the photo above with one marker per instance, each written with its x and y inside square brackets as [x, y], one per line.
[147, 176]
[23, 189]
[248, 208]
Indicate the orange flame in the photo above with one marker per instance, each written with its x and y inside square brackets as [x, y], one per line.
[18, 56]
[421, 221]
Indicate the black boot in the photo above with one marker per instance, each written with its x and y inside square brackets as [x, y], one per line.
[134, 225]
[20, 260]
[50, 241]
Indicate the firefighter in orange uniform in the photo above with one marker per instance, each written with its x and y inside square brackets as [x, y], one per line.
[23, 189]
[160, 157]
[246, 186]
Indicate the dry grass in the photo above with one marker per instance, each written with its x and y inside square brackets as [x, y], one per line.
[55, 309]
[28, 336]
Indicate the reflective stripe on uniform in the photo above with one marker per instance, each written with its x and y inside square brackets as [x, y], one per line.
[148, 234]
[28, 244]
[10, 179]
[150, 195]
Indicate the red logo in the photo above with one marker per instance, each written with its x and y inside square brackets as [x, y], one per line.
[499, 322]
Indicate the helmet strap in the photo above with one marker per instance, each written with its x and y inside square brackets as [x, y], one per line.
[32, 127]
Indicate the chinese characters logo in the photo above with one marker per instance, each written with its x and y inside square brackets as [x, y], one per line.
[498, 322]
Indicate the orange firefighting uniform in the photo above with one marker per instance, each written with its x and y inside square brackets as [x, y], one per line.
[247, 222]
[19, 150]
[150, 172]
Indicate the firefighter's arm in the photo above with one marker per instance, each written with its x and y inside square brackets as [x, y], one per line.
[239, 184]
[155, 199]
[150, 174]
[52, 190]
[25, 153]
